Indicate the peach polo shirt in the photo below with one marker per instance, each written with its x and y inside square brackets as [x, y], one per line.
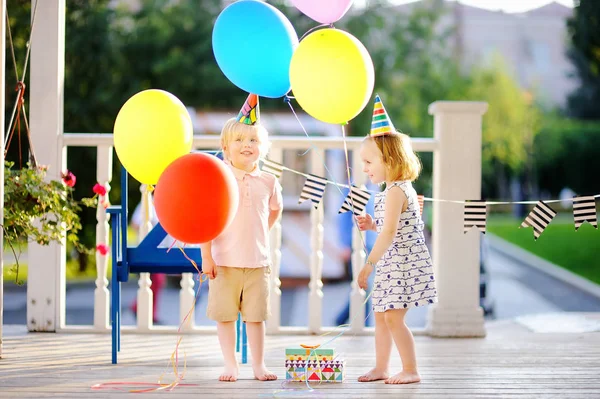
[245, 243]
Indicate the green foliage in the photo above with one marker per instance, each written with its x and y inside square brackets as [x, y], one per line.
[171, 46]
[584, 34]
[413, 66]
[39, 210]
[567, 155]
[511, 122]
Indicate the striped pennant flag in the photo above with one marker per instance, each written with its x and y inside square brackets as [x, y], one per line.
[421, 199]
[584, 210]
[539, 218]
[475, 215]
[274, 168]
[355, 201]
[313, 190]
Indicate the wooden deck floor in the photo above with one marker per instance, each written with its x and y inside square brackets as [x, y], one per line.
[511, 362]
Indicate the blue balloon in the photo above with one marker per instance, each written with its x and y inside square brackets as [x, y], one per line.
[253, 43]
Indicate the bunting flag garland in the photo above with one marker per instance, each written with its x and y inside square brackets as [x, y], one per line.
[475, 215]
[475, 211]
[313, 190]
[355, 201]
[539, 218]
[421, 199]
[274, 168]
[584, 210]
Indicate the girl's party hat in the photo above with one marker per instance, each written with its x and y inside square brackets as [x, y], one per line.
[381, 124]
[250, 113]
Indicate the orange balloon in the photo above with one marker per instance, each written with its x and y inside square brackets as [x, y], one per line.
[196, 198]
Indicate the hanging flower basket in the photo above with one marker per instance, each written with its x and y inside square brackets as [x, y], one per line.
[40, 210]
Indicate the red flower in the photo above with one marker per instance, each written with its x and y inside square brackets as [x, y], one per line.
[69, 178]
[102, 248]
[99, 189]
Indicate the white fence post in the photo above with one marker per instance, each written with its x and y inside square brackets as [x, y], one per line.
[46, 275]
[456, 176]
[274, 321]
[144, 293]
[315, 296]
[101, 295]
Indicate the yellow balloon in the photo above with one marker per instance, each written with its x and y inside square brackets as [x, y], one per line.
[332, 75]
[152, 129]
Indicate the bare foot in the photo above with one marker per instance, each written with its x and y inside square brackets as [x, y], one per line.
[230, 373]
[374, 375]
[261, 373]
[404, 377]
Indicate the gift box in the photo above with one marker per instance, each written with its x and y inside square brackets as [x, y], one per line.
[315, 370]
[309, 354]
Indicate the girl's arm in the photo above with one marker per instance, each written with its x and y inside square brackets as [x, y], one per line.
[395, 202]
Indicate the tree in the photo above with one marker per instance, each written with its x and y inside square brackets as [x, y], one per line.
[584, 34]
[170, 48]
[509, 126]
[414, 66]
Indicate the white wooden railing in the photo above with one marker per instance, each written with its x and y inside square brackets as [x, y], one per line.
[457, 175]
[319, 147]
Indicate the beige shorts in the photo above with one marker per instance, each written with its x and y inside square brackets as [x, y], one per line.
[238, 289]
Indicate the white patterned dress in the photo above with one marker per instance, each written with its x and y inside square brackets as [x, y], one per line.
[404, 275]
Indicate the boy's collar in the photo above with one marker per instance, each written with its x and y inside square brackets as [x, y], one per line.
[239, 173]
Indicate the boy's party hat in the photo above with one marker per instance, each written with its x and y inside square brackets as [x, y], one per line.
[250, 112]
[381, 124]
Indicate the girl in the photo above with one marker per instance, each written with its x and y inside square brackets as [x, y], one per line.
[404, 273]
[238, 262]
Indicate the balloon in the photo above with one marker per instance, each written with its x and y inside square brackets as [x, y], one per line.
[196, 198]
[323, 11]
[253, 43]
[152, 129]
[332, 75]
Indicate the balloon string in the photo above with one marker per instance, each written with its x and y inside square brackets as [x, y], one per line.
[313, 29]
[173, 360]
[287, 391]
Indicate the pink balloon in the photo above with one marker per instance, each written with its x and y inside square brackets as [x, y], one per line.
[323, 11]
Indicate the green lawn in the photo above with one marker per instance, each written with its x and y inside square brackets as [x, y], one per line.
[577, 251]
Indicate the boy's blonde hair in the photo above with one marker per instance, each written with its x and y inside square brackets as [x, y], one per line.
[234, 129]
[398, 156]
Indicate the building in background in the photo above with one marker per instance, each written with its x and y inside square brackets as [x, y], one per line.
[533, 44]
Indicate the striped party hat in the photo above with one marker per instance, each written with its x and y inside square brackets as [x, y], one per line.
[381, 124]
[250, 112]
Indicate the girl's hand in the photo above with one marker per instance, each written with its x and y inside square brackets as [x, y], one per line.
[209, 267]
[365, 222]
[363, 277]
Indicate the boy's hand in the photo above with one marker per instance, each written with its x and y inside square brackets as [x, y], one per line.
[209, 267]
[365, 222]
[363, 277]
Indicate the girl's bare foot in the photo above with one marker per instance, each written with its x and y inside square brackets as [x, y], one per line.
[261, 373]
[404, 377]
[374, 375]
[230, 373]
